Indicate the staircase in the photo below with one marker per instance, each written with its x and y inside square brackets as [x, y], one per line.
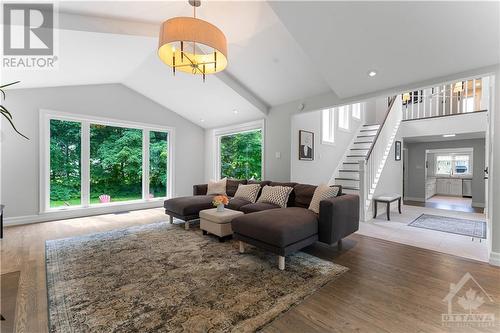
[364, 161]
[348, 173]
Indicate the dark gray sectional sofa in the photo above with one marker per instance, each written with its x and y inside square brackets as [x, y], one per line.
[275, 229]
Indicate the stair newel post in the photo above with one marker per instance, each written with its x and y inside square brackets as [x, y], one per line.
[362, 190]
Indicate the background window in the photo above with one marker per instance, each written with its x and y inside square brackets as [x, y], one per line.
[115, 164]
[461, 164]
[343, 117]
[356, 110]
[158, 157]
[327, 126]
[453, 164]
[241, 155]
[65, 163]
[443, 165]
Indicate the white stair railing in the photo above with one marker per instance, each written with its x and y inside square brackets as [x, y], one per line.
[371, 168]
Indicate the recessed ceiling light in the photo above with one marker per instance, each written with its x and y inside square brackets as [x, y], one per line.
[202, 120]
[448, 135]
[372, 73]
[235, 111]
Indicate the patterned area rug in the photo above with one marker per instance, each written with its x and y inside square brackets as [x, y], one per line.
[161, 278]
[451, 225]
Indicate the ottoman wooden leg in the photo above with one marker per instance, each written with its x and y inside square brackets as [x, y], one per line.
[281, 263]
[186, 225]
[204, 232]
[171, 218]
[242, 247]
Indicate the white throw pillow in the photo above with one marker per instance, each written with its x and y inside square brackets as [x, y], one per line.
[277, 195]
[322, 192]
[248, 192]
[217, 187]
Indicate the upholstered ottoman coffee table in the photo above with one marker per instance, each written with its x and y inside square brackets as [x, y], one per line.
[218, 223]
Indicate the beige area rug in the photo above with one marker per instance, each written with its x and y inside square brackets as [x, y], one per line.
[161, 278]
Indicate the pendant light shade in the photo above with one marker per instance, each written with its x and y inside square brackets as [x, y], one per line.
[191, 45]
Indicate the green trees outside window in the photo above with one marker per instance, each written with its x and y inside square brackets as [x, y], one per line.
[115, 163]
[158, 157]
[116, 156]
[65, 163]
[241, 155]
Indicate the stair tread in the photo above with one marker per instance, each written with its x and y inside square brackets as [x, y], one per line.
[350, 163]
[350, 188]
[360, 148]
[356, 156]
[340, 178]
[366, 136]
[372, 125]
[348, 170]
[367, 130]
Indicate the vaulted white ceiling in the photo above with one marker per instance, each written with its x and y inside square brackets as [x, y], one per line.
[278, 51]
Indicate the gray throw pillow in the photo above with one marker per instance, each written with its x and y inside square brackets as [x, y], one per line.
[322, 192]
[277, 195]
[248, 192]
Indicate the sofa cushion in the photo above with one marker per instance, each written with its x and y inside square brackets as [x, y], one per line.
[291, 197]
[279, 227]
[237, 203]
[186, 206]
[249, 192]
[321, 193]
[217, 186]
[277, 195]
[261, 183]
[257, 207]
[232, 186]
[303, 195]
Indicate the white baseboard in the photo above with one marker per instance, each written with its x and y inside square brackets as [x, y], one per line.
[494, 258]
[69, 214]
[478, 204]
[414, 199]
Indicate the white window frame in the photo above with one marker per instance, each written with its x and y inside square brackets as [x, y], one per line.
[347, 109]
[85, 121]
[331, 127]
[360, 110]
[230, 130]
[453, 163]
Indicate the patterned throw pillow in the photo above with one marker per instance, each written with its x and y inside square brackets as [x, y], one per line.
[322, 192]
[248, 192]
[217, 187]
[277, 195]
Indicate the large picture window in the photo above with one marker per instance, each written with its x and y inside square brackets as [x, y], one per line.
[96, 162]
[115, 164]
[65, 163]
[241, 155]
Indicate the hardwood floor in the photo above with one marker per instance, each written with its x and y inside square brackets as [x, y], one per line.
[451, 205]
[390, 287]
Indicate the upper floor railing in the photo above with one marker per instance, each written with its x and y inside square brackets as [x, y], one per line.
[447, 100]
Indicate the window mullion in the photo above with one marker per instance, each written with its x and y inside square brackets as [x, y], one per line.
[145, 164]
[85, 164]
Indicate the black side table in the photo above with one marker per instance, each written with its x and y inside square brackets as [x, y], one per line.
[1, 220]
[387, 199]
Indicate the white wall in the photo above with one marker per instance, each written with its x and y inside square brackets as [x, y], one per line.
[465, 123]
[326, 156]
[20, 158]
[494, 175]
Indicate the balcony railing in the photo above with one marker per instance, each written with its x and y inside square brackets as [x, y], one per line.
[447, 100]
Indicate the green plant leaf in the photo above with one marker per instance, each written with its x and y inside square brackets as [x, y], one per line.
[14, 127]
[5, 111]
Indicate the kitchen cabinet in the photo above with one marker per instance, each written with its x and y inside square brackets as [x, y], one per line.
[430, 188]
[449, 186]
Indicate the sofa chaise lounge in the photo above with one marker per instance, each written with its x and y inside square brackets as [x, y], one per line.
[279, 230]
